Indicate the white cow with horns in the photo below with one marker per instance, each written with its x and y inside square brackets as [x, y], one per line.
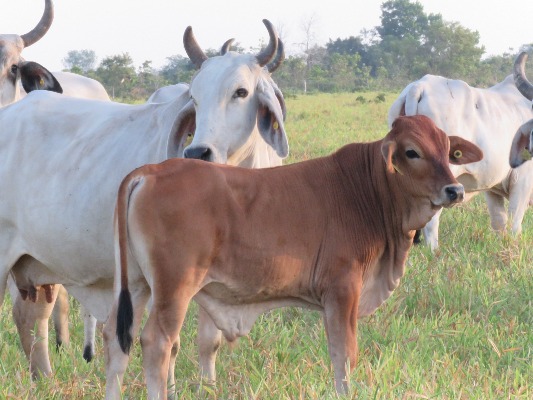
[73, 153]
[489, 118]
[14, 72]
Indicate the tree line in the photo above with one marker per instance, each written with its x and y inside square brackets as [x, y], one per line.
[407, 45]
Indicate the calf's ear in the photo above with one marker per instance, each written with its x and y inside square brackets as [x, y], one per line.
[463, 152]
[270, 116]
[36, 77]
[388, 149]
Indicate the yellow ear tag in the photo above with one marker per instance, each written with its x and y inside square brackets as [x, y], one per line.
[457, 153]
[41, 82]
[526, 155]
[275, 125]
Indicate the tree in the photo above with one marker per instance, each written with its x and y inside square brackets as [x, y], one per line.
[352, 45]
[80, 61]
[118, 75]
[401, 19]
[177, 69]
[147, 81]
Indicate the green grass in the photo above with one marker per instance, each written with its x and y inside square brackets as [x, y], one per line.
[459, 326]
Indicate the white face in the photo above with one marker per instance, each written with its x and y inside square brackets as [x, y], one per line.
[10, 48]
[226, 106]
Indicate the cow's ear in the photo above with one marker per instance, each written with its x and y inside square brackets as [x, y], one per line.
[463, 152]
[184, 126]
[270, 116]
[36, 77]
[388, 149]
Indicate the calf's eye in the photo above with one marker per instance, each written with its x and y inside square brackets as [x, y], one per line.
[411, 154]
[14, 69]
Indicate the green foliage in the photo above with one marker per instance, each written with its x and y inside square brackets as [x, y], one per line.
[178, 69]
[117, 73]
[457, 327]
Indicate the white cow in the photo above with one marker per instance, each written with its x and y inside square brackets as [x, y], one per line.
[488, 118]
[14, 73]
[522, 148]
[12, 67]
[73, 153]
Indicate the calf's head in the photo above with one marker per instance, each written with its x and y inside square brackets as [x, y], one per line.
[234, 100]
[418, 154]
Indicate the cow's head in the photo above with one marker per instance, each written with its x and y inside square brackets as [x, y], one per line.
[235, 102]
[13, 68]
[522, 148]
[418, 154]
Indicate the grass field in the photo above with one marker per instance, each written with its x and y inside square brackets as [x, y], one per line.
[460, 325]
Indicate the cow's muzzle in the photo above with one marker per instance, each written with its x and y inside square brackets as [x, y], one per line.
[199, 153]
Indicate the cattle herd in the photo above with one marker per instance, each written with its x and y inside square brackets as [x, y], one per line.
[113, 225]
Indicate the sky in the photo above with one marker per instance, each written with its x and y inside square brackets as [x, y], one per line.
[153, 30]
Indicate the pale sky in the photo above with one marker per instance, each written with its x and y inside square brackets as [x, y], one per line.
[153, 29]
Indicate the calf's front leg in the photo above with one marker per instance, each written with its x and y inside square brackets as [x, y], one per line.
[340, 320]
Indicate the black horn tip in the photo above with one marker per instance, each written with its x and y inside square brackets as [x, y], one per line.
[226, 46]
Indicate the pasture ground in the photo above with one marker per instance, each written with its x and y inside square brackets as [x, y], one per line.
[460, 325]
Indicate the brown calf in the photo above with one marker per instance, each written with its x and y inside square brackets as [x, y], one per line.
[330, 234]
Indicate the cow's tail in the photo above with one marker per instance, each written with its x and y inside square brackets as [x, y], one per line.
[407, 102]
[125, 307]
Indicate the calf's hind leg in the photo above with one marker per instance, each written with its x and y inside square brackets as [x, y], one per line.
[116, 360]
[158, 337]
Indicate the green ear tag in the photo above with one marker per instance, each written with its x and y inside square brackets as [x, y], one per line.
[275, 125]
[526, 155]
[41, 82]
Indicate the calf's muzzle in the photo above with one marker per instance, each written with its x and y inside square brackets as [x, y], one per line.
[454, 193]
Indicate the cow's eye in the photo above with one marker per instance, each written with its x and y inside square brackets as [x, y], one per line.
[241, 92]
[14, 69]
[411, 154]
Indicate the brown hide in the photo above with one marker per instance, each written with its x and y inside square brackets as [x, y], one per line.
[331, 233]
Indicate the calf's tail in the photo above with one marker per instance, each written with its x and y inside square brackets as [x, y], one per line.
[125, 306]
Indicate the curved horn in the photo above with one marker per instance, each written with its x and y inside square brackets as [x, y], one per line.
[266, 55]
[278, 59]
[192, 48]
[520, 80]
[226, 46]
[42, 27]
